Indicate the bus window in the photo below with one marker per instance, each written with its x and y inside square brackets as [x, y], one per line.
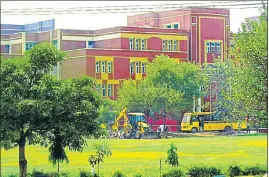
[185, 118]
[207, 118]
[215, 117]
[194, 119]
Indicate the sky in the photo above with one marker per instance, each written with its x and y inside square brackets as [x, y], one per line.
[96, 21]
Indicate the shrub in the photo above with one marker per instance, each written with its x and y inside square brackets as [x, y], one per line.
[234, 170]
[37, 173]
[198, 172]
[85, 174]
[214, 171]
[204, 171]
[118, 174]
[254, 170]
[137, 175]
[174, 173]
[64, 175]
[41, 173]
[94, 175]
[172, 157]
[52, 174]
[12, 175]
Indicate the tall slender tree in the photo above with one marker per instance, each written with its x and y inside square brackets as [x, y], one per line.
[57, 151]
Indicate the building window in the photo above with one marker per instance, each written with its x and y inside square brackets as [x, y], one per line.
[90, 44]
[193, 20]
[131, 44]
[109, 67]
[172, 26]
[137, 44]
[109, 89]
[212, 47]
[97, 87]
[55, 43]
[103, 89]
[30, 45]
[208, 47]
[8, 48]
[137, 67]
[218, 47]
[97, 66]
[169, 46]
[103, 66]
[175, 45]
[143, 44]
[132, 68]
[5, 48]
[143, 68]
[164, 45]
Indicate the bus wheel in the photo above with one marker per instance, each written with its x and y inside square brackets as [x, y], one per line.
[227, 128]
[194, 130]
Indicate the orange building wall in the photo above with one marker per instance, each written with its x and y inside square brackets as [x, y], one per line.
[72, 68]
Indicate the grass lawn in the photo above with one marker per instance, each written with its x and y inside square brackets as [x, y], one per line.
[142, 156]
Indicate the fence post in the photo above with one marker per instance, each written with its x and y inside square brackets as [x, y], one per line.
[160, 167]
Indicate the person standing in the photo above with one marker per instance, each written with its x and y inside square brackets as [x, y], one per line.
[239, 126]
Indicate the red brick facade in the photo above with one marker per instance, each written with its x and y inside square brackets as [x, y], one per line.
[119, 53]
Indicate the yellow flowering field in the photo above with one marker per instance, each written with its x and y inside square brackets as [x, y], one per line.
[143, 156]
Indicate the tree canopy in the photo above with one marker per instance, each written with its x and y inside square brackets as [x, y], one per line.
[169, 86]
[37, 107]
[243, 88]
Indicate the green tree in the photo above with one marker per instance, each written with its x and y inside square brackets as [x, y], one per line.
[36, 104]
[250, 83]
[102, 150]
[221, 76]
[169, 86]
[57, 151]
[108, 111]
[242, 82]
[5, 133]
[172, 157]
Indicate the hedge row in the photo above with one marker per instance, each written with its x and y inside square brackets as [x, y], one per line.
[195, 171]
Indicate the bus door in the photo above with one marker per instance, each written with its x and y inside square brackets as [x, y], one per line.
[201, 123]
[194, 122]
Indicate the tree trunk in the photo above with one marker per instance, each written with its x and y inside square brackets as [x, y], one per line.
[22, 158]
[164, 116]
[58, 166]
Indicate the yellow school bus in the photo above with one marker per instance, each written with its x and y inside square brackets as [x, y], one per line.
[205, 121]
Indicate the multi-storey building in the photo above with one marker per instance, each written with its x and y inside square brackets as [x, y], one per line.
[120, 53]
[208, 29]
[109, 55]
[33, 27]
